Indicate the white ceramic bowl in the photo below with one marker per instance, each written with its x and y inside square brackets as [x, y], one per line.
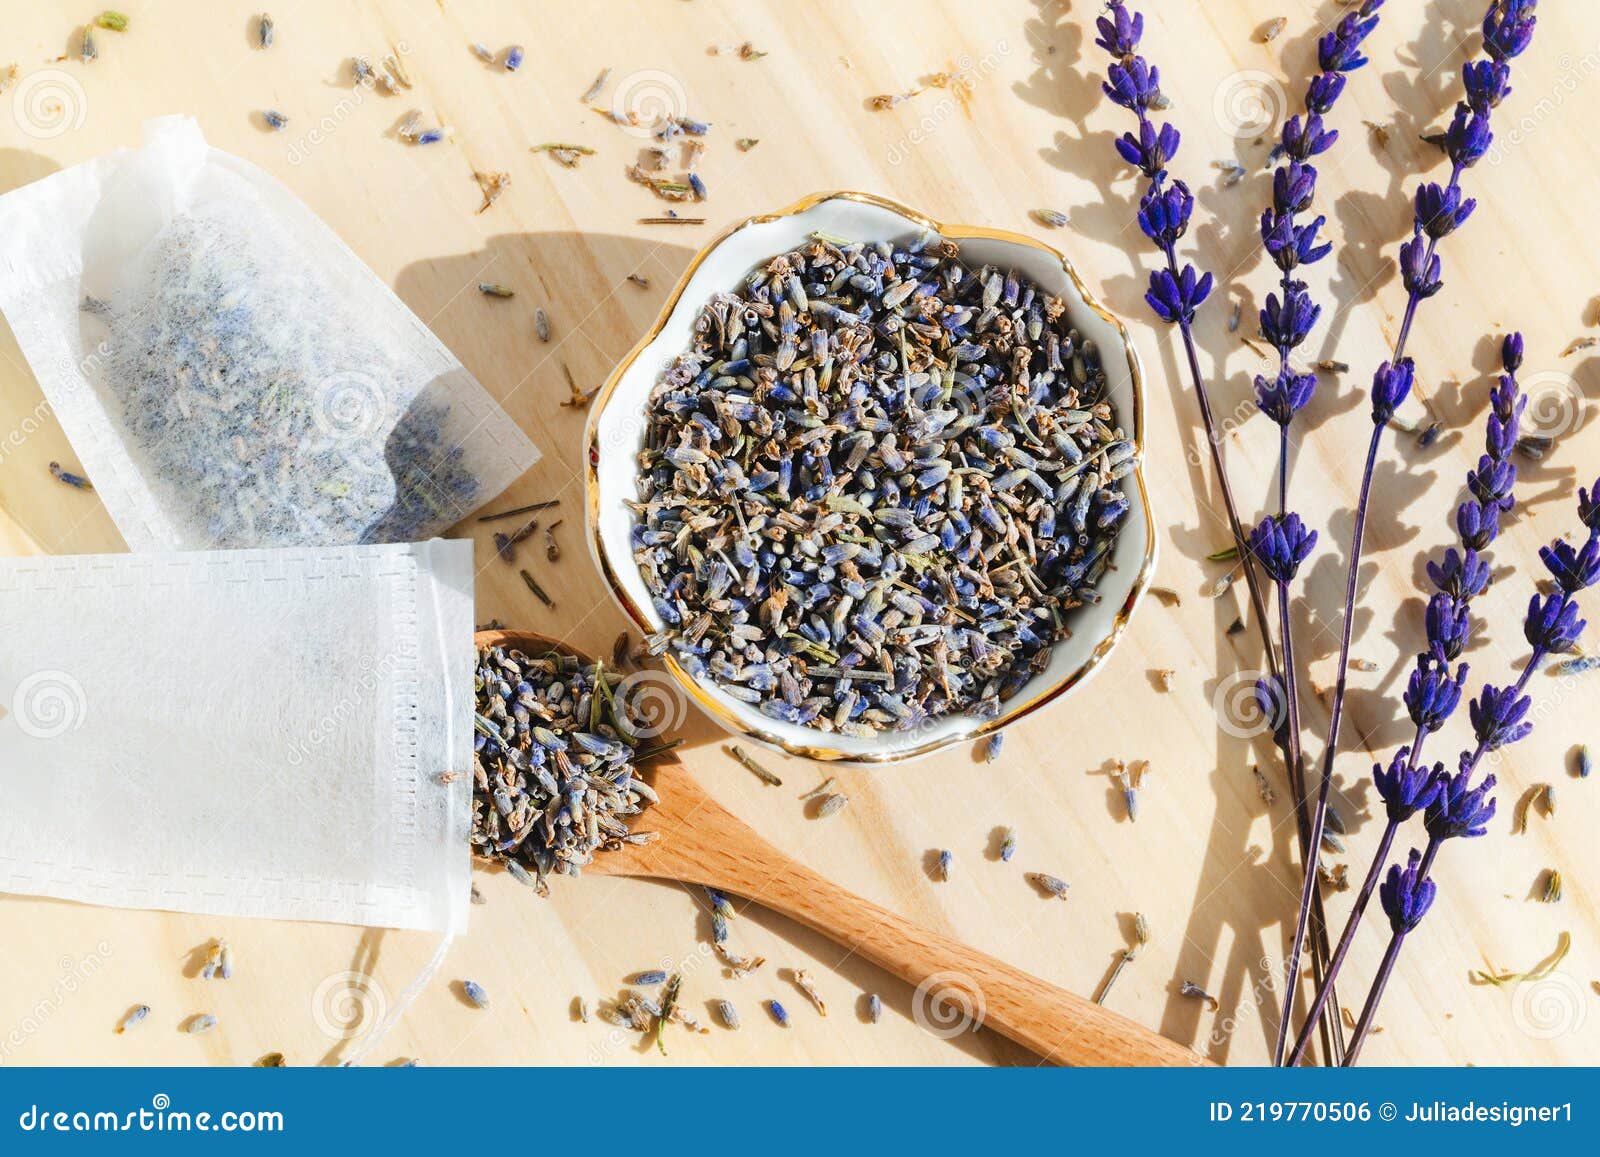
[616, 429]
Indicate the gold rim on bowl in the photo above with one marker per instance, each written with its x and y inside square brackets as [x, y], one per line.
[1016, 708]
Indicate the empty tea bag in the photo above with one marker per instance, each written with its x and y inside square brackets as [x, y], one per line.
[272, 733]
[229, 372]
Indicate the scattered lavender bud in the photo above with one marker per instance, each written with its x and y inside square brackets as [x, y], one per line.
[264, 27]
[541, 324]
[514, 58]
[1008, 845]
[204, 1022]
[1585, 763]
[1050, 885]
[1194, 992]
[495, 289]
[274, 119]
[133, 1016]
[728, 1014]
[992, 745]
[874, 1007]
[808, 988]
[946, 858]
[647, 979]
[1050, 218]
[474, 992]
[76, 481]
[779, 1013]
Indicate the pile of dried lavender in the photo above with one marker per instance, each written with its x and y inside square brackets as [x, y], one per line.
[877, 485]
[553, 772]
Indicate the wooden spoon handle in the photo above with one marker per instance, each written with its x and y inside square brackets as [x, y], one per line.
[703, 843]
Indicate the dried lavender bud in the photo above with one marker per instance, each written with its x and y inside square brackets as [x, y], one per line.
[728, 1014]
[133, 1017]
[1008, 845]
[874, 1008]
[203, 1022]
[1050, 885]
[474, 992]
[779, 1013]
[647, 979]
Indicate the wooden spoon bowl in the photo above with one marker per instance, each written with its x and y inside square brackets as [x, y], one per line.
[701, 842]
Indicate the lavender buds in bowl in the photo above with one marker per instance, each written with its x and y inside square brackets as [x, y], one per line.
[871, 485]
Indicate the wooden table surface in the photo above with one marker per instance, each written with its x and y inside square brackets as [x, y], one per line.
[1209, 863]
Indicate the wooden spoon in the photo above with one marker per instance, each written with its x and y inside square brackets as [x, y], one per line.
[700, 842]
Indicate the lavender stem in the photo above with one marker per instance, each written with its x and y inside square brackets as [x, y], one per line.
[1309, 892]
[1358, 1035]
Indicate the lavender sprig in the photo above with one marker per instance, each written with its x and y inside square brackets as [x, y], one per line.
[1499, 719]
[1177, 289]
[1286, 322]
[1433, 691]
[1507, 31]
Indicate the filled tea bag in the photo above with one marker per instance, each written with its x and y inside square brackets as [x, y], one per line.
[229, 372]
[274, 733]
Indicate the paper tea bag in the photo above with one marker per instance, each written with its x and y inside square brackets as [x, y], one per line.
[229, 372]
[276, 733]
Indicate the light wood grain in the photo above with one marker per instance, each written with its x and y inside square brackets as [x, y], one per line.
[1210, 864]
[958, 989]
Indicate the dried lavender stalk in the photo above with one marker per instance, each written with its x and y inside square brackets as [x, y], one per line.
[1507, 31]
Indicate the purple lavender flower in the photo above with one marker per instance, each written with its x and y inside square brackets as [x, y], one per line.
[1287, 394]
[1448, 624]
[1406, 895]
[1281, 543]
[1498, 715]
[1552, 625]
[1176, 299]
[1464, 575]
[1391, 385]
[1405, 788]
[1431, 695]
[1460, 811]
[1574, 569]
